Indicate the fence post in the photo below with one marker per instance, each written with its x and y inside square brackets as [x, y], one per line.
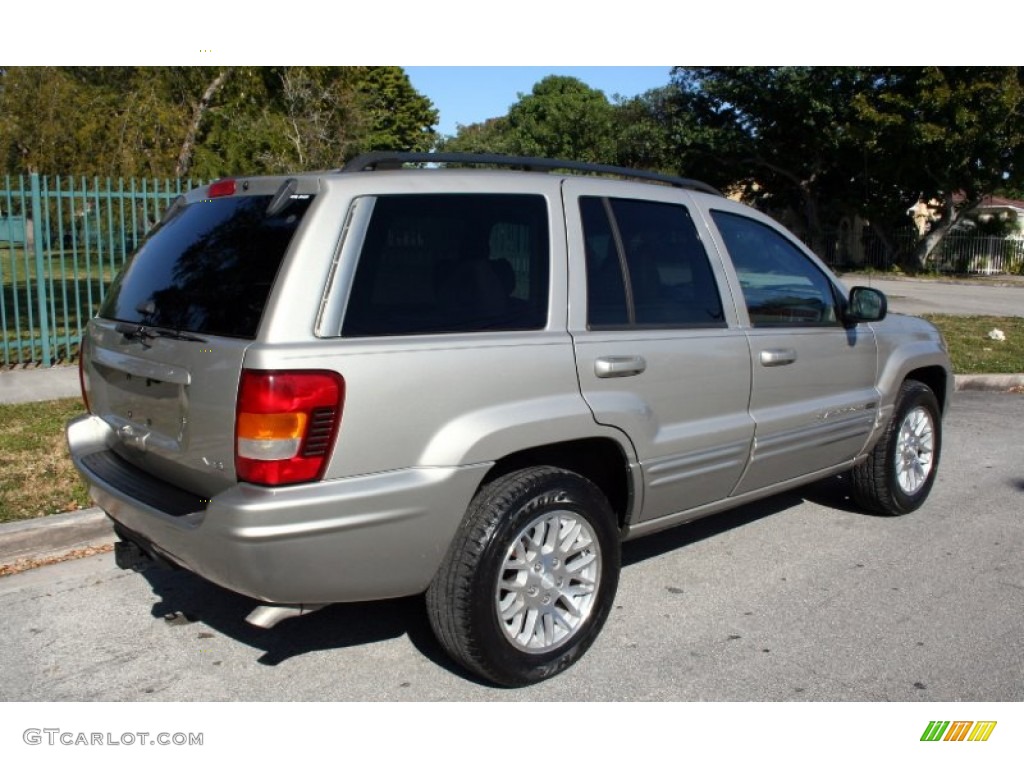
[41, 274]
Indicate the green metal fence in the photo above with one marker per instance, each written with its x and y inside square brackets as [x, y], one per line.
[62, 240]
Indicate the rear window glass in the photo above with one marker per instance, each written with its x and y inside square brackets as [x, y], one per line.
[451, 264]
[208, 268]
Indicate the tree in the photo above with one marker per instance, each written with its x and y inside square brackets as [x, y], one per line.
[491, 136]
[243, 129]
[312, 118]
[954, 134]
[832, 140]
[34, 137]
[565, 118]
[782, 135]
[398, 117]
[199, 110]
[206, 121]
[127, 121]
[651, 132]
[561, 117]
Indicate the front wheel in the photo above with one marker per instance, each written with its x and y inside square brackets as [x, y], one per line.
[530, 578]
[898, 474]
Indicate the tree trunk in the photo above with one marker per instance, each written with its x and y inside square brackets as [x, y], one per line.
[917, 260]
[888, 248]
[187, 147]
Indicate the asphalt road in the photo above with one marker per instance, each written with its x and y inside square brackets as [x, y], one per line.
[921, 297]
[800, 598]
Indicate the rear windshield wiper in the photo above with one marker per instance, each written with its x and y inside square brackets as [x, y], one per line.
[141, 333]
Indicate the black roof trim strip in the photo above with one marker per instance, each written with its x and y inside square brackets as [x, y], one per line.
[371, 161]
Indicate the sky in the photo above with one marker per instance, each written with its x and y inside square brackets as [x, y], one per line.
[465, 95]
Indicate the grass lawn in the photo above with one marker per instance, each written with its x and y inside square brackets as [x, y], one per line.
[972, 351]
[37, 479]
[36, 475]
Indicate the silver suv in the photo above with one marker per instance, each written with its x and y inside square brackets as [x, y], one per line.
[475, 384]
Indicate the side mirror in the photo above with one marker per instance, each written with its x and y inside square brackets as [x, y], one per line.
[866, 305]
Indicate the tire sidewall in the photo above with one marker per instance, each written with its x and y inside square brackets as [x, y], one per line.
[918, 397]
[558, 491]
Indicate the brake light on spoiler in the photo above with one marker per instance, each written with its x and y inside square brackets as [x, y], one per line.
[286, 425]
[222, 188]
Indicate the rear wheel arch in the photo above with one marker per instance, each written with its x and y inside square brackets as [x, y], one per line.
[600, 460]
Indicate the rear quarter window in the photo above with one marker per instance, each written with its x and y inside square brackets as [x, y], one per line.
[208, 268]
[451, 263]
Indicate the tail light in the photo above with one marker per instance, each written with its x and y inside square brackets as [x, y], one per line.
[83, 378]
[286, 425]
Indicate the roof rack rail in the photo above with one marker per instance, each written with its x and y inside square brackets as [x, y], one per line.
[371, 161]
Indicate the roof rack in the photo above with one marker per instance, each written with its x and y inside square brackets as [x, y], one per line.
[380, 161]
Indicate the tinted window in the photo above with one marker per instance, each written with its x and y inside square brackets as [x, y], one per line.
[207, 268]
[781, 286]
[606, 288]
[646, 266]
[451, 263]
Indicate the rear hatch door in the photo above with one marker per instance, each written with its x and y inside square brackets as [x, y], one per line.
[164, 356]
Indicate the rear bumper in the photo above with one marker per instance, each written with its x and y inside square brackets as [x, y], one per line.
[360, 538]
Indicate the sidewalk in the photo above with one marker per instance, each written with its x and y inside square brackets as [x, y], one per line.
[30, 385]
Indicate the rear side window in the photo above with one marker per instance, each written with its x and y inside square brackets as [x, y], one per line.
[451, 264]
[208, 268]
[646, 267]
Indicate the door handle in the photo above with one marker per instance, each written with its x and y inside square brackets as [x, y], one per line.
[773, 357]
[613, 367]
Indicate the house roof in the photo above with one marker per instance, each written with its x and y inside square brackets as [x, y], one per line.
[991, 201]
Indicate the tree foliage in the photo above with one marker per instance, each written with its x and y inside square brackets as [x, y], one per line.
[651, 132]
[204, 121]
[490, 136]
[784, 136]
[561, 117]
[825, 141]
[397, 116]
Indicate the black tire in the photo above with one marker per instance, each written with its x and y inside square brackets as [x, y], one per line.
[485, 573]
[898, 474]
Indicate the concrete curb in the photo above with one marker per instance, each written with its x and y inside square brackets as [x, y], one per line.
[989, 382]
[54, 534]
